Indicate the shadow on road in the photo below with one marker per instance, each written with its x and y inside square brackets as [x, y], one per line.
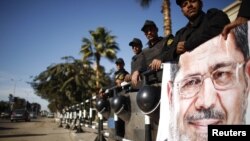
[6, 128]
[20, 135]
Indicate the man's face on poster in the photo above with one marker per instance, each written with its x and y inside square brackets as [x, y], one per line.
[210, 88]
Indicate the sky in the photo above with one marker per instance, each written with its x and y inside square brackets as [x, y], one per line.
[37, 33]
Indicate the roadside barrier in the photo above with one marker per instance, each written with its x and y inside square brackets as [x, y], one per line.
[131, 114]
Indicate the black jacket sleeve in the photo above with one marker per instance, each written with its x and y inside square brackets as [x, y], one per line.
[168, 41]
[212, 26]
[244, 10]
[139, 64]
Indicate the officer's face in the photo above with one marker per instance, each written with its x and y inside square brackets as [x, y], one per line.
[136, 49]
[151, 33]
[191, 8]
[119, 66]
[210, 87]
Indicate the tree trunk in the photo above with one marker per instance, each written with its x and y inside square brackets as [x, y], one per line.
[98, 58]
[167, 17]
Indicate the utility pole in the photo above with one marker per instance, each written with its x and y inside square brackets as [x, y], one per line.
[14, 89]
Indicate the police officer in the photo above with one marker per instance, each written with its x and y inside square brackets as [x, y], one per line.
[136, 60]
[152, 58]
[155, 54]
[201, 26]
[137, 46]
[121, 73]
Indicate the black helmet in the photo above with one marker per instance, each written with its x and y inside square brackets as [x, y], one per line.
[178, 2]
[118, 104]
[102, 105]
[119, 61]
[148, 23]
[136, 41]
[148, 98]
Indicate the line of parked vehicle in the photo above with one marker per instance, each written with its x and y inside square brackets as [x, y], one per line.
[22, 115]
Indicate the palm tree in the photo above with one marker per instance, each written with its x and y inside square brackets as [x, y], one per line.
[65, 83]
[101, 44]
[167, 17]
[166, 14]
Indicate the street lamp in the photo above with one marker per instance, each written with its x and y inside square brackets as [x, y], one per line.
[14, 89]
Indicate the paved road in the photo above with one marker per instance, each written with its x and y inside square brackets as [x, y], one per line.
[41, 129]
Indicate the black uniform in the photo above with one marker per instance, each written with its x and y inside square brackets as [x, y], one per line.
[120, 74]
[205, 27]
[157, 51]
[136, 62]
[244, 9]
[120, 124]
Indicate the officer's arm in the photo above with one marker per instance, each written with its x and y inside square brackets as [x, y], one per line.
[166, 48]
[216, 20]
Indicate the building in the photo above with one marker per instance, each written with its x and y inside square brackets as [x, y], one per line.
[232, 10]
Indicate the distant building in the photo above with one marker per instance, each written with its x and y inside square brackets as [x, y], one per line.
[232, 9]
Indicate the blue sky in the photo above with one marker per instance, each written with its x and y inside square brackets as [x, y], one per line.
[37, 33]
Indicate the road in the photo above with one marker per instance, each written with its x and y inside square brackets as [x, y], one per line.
[41, 129]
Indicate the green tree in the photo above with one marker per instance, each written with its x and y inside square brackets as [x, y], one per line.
[166, 14]
[4, 106]
[101, 44]
[65, 84]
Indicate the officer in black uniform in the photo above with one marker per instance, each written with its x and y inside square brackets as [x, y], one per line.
[137, 46]
[152, 58]
[121, 73]
[201, 26]
[155, 54]
[136, 60]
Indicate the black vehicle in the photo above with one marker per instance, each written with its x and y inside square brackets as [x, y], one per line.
[20, 114]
